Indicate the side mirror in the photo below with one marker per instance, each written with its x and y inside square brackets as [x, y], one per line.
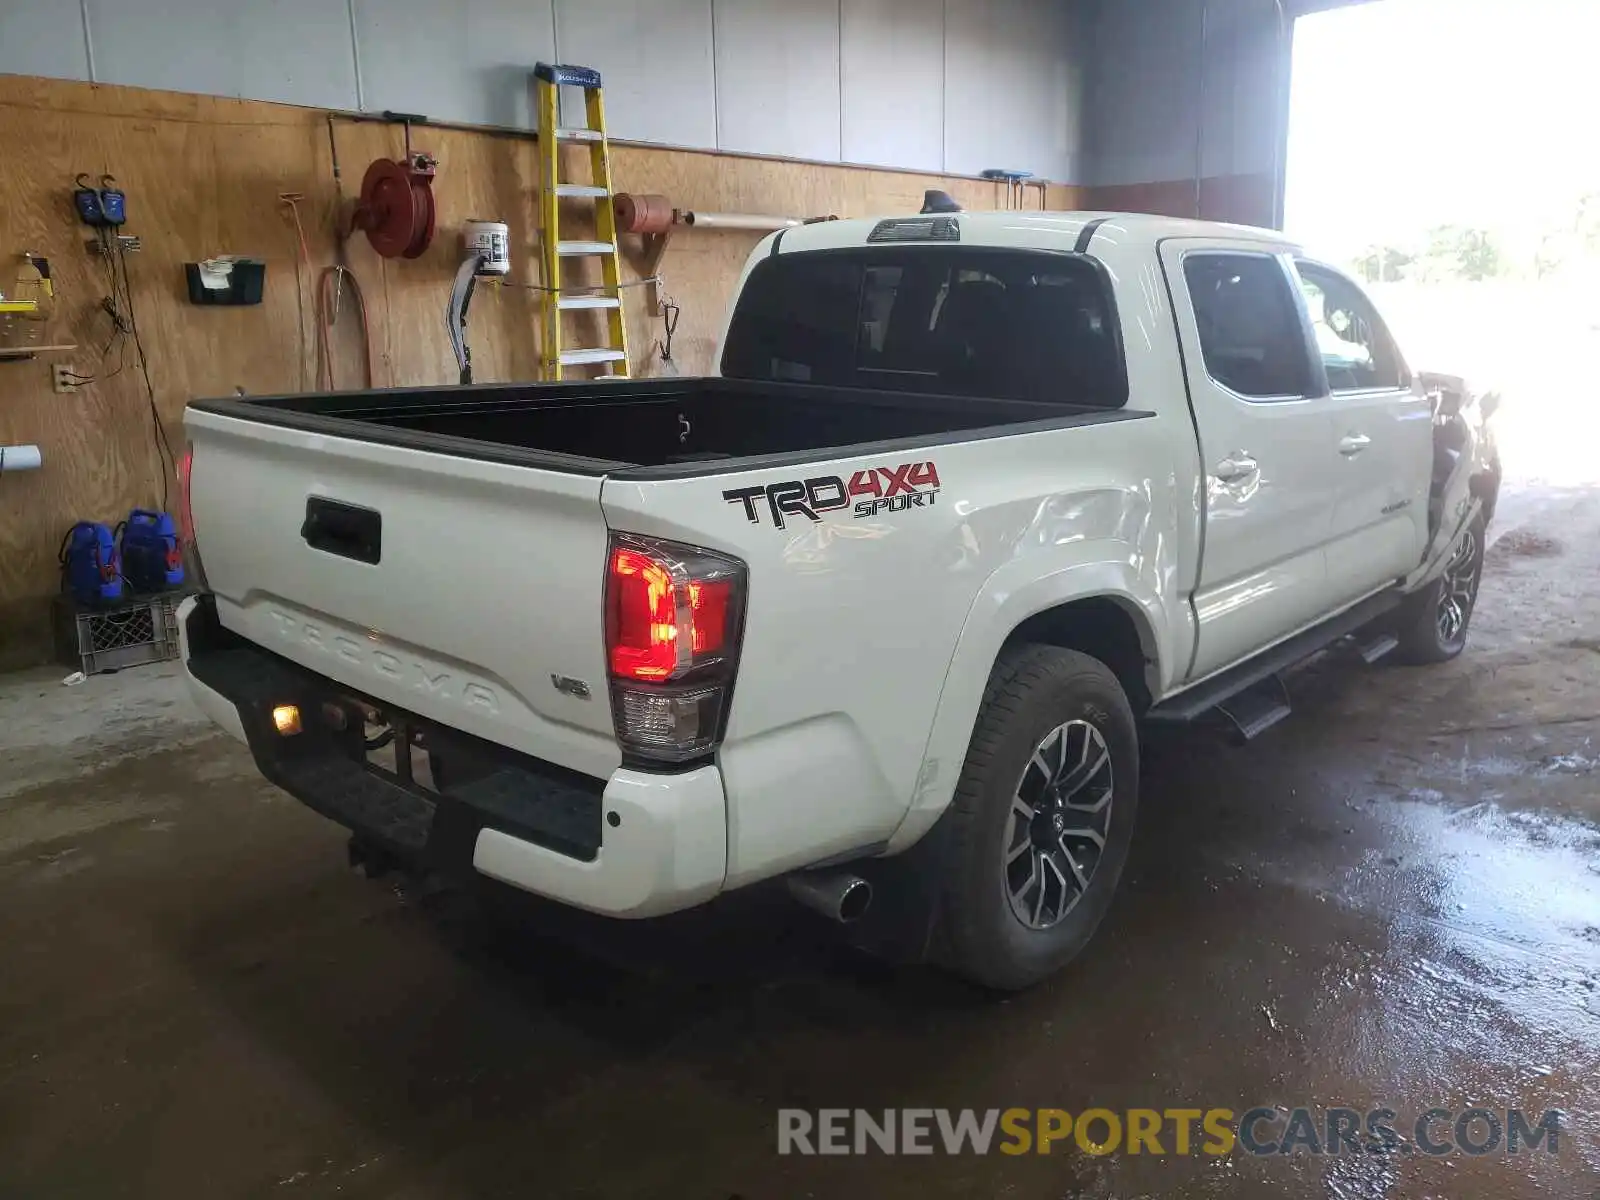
[1447, 401]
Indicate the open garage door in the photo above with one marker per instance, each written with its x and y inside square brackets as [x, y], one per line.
[1435, 150]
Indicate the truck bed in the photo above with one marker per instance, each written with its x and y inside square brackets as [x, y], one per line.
[665, 426]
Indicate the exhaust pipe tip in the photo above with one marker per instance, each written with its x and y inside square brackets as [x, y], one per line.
[839, 897]
[854, 902]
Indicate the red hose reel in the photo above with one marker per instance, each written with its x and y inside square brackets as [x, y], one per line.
[396, 209]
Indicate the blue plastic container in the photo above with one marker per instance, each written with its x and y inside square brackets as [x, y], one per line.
[90, 568]
[151, 558]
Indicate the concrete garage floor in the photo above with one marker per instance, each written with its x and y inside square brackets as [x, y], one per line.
[1392, 900]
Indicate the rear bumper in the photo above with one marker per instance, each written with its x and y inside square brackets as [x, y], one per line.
[635, 845]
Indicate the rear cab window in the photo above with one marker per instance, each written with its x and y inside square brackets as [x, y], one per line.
[954, 321]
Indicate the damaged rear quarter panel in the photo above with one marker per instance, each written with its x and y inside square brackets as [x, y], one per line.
[866, 571]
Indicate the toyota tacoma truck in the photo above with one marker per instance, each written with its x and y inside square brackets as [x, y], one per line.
[881, 609]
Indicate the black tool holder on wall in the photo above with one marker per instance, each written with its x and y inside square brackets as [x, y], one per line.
[246, 280]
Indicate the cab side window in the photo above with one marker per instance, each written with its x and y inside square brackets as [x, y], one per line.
[1251, 335]
[1357, 352]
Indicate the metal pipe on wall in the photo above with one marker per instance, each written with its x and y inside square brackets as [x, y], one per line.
[712, 220]
[1200, 110]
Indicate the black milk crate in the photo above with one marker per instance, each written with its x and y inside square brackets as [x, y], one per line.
[128, 634]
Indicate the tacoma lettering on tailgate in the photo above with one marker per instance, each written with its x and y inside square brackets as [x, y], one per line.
[411, 674]
[872, 491]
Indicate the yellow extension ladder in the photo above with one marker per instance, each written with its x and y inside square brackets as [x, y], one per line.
[559, 298]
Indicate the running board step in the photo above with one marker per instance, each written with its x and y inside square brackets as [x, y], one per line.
[579, 134]
[1257, 709]
[566, 303]
[1375, 649]
[1196, 701]
[580, 189]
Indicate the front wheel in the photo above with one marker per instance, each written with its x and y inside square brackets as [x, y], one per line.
[1042, 817]
[1433, 621]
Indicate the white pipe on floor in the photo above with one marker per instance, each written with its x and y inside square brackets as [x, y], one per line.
[19, 458]
[707, 220]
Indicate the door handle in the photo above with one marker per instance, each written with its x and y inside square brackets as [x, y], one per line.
[347, 530]
[1238, 465]
[1354, 444]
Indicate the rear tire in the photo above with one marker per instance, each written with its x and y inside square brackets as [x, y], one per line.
[1042, 817]
[1433, 622]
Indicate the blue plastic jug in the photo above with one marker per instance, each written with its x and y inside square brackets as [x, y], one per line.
[151, 558]
[90, 569]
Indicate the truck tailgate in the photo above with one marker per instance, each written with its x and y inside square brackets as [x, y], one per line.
[467, 592]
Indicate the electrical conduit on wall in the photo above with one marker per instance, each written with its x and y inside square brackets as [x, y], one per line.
[19, 458]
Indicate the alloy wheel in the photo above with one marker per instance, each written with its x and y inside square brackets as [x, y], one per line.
[1460, 589]
[1060, 819]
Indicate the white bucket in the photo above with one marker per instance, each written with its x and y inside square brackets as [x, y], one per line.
[491, 241]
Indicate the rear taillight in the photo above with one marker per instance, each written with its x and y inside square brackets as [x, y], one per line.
[186, 531]
[674, 617]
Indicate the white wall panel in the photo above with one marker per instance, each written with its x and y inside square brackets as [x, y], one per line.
[892, 83]
[468, 60]
[939, 85]
[1009, 88]
[295, 51]
[655, 59]
[43, 37]
[778, 77]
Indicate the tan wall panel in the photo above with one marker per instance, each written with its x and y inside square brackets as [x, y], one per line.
[1241, 199]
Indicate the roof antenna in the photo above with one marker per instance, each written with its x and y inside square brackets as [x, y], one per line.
[935, 201]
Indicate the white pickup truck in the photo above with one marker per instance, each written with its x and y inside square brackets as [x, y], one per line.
[880, 609]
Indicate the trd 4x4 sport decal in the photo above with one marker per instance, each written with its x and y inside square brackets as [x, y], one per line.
[875, 490]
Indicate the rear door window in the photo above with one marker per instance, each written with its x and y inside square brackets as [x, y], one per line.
[961, 321]
[1251, 333]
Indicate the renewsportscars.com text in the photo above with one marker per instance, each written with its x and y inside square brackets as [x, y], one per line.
[1213, 1131]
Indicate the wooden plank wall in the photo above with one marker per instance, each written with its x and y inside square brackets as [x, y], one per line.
[203, 177]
